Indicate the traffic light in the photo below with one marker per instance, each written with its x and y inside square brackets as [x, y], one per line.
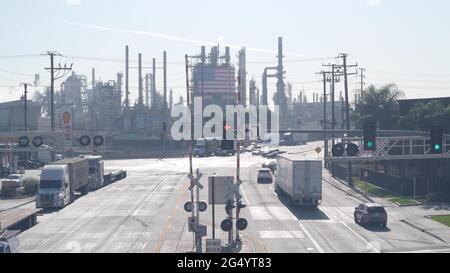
[164, 126]
[370, 136]
[226, 144]
[436, 139]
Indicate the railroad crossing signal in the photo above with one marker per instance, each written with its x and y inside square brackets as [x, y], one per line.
[201, 206]
[337, 150]
[370, 136]
[436, 139]
[24, 141]
[352, 149]
[188, 206]
[241, 223]
[85, 140]
[226, 225]
[229, 207]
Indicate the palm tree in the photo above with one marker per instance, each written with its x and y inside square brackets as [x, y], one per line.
[380, 105]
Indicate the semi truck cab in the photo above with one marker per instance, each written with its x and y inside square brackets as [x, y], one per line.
[54, 188]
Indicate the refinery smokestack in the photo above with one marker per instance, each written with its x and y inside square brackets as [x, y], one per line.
[127, 93]
[154, 83]
[264, 88]
[141, 95]
[93, 78]
[165, 80]
[147, 89]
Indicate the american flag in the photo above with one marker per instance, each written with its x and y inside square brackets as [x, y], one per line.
[214, 80]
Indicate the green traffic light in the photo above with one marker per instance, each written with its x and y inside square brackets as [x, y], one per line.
[370, 144]
[437, 147]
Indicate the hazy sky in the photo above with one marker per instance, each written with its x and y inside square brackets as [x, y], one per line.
[402, 41]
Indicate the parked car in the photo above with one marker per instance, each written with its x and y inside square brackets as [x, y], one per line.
[272, 155]
[256, 152]
[4, 171]
[264, 175]
[17, 178]
[370, 213]
[9, 243]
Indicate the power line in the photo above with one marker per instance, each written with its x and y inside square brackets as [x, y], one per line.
[376, 71]
[19, 56]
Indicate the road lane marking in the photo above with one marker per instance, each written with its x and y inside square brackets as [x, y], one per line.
[281, 213]
[260, 213]
[281, 234]
[162, 236]
[244, 195]
[316, 245]
[371, 246]
[138, 209]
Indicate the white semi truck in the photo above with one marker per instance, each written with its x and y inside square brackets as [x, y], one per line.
[300, 178]
[60, 180]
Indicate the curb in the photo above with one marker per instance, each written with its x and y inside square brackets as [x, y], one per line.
[348, 192]
[16, 198]
[18, 206]
[412, 205]
[423, 230]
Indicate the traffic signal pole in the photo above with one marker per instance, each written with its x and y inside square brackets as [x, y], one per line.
[191, 172]
[238, 158]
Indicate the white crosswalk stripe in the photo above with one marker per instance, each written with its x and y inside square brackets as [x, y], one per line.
[281, 234]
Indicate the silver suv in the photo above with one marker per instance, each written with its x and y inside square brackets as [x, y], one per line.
[370, 213]
[9, 243]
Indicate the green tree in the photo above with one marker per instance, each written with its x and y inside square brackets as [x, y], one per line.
[422, 116]
[380, 105]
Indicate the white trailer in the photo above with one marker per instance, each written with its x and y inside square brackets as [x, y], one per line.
[300, 178]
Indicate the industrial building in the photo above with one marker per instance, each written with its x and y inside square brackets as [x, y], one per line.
[12, 116]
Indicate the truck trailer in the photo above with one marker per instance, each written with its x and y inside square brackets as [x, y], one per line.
[300, 178]
[60, 180]
[96, 171]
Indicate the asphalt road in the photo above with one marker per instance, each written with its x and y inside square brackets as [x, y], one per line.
[144, 213]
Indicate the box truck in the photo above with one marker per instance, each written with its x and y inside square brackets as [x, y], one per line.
[300, 178]
[60, 180]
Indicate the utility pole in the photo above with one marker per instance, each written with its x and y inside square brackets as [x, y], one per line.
[52, 70]
[362, 76]
[347, 108]
[25, 93]
[25, 125]
[325, 140]
[333, 79]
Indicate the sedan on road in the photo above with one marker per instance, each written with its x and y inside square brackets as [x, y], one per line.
[265, 175]
[256, 152]
[370, 213]
[17, 178]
